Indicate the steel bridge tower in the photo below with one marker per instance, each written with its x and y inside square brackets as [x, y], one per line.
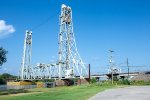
[26, 69]
[69, 62]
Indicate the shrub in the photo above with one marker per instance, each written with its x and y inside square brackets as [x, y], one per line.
[2, 81]
[124, 82]
[140, 82]
[93, 80]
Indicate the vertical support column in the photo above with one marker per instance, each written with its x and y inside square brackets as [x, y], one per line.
[128, 67]
[68, 46]
[89, 73]
[26, 70]
[60, 49]
[23, 58]
[69, 61]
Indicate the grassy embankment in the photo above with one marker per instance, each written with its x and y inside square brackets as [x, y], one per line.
[82, 92]
[59, 93]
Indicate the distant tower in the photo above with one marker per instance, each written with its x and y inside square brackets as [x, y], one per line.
[112, 66]
[26, 70]
[111, 62]
[70, 63]
[111, 69]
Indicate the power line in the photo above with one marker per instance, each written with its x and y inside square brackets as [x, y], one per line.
[41, 24]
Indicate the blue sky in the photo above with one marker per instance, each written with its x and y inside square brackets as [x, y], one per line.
[99, 25]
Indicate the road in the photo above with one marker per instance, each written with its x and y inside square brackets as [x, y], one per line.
[127, 93]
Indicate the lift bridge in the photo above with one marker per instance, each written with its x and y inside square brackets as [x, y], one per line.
[69, 64]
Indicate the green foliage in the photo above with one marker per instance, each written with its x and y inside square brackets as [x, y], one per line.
[60, 93]
[13, 91]
[3, 58]
[93, 80]
[133, 82]
[140, 82]
[123, 82]
[107, 83]
[6, 76]
[2, 81]
[127, 82]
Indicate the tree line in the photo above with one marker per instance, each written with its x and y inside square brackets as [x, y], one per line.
[3, 59]
[5, 77]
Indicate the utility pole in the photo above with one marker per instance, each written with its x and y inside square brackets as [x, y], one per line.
[89, 73]
[111, 65]
[128, 67]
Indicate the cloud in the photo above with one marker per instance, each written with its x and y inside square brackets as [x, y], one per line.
[5, 29]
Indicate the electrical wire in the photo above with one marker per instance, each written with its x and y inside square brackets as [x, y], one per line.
[42, 23]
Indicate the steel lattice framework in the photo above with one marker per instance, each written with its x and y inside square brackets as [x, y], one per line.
[112, 66]
[26, 69]
[69, 64]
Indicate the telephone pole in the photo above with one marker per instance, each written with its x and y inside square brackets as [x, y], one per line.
[111, 64]
[128, 67]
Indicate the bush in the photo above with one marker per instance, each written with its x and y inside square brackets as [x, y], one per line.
[140, 82]
[93, 80]
[123, 82]
[2, 81]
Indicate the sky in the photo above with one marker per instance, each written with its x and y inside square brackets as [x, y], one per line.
[99, 25]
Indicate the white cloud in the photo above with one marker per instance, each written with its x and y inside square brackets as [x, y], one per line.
[5, 29]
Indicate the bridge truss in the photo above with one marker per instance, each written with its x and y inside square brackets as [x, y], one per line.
[69, 64]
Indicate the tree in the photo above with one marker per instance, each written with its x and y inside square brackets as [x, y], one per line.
[5, 76]
[3, 58]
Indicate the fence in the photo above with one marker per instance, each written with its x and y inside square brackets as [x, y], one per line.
[5, 87]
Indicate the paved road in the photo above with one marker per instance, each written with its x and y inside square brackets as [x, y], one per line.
[127, 93]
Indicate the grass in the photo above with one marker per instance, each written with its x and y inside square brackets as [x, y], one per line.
[60, 93]
[12, 91]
